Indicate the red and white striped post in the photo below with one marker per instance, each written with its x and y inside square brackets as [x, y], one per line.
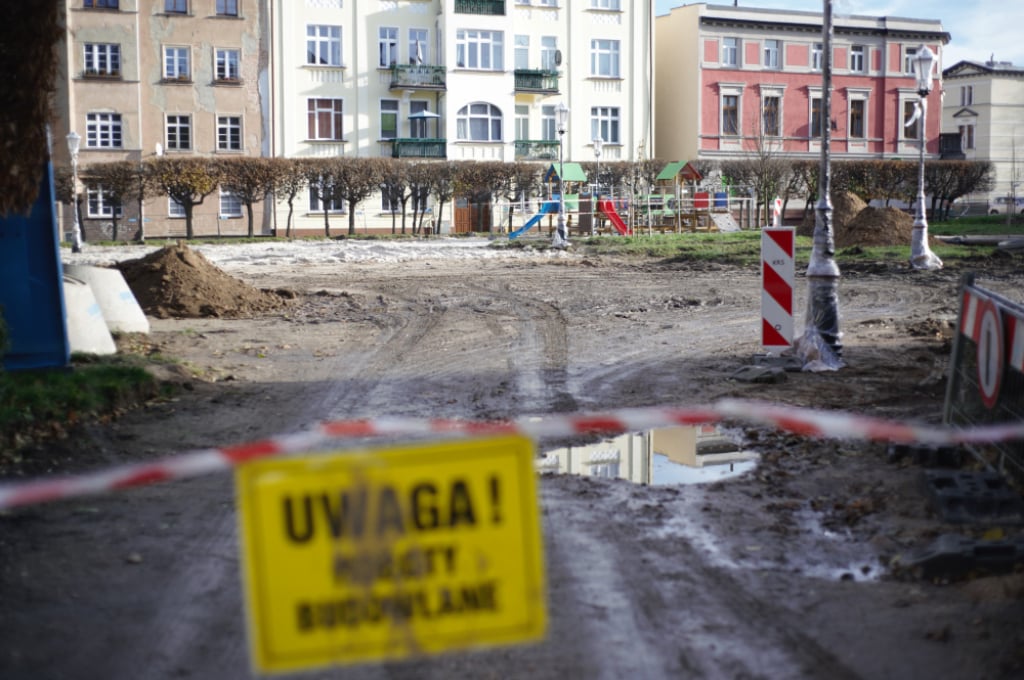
[777, 276]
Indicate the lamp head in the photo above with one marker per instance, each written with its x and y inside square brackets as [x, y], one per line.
[598, 143]
[74, 141]
[924, 64]
[563, 115]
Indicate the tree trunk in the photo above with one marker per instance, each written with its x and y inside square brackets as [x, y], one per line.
[327, 223]
[248, 210]
[189, 234]
[288, 223]
[351, 218]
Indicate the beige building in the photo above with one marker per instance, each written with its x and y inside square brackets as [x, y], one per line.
[141, 78]
[983, 103]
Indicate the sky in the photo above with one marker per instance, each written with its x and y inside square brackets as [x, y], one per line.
[978, 29]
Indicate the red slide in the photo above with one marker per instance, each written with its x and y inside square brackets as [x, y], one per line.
[607, 209]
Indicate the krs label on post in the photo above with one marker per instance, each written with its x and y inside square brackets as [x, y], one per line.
[386, 554]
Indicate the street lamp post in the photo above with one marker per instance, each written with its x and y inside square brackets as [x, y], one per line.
[921, 256]
[74, 140]
[598, 143]
[822, 331]
[561, 239]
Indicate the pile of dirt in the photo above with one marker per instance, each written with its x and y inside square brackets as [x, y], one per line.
[876, 227]
[178, 282]
[845, 207]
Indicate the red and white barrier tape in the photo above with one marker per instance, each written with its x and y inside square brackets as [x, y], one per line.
[807, 422]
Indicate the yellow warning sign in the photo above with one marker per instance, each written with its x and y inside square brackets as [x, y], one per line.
[387, 554]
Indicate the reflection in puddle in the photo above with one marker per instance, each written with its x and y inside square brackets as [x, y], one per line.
[675, 455]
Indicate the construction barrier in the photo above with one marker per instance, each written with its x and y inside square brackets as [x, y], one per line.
[777, 280]
[986, 372]
[806, 422]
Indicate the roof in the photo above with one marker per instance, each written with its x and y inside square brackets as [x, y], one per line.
[681, 169]
[977, 68]
[573, 173]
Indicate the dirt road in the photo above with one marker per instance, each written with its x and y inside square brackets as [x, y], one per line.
[780, 574]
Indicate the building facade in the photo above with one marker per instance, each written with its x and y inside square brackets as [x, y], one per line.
[984, 106]
[143, 78]
[458, 80]
[735, 81]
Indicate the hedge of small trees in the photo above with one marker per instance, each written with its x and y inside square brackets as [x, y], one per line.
[189, 180]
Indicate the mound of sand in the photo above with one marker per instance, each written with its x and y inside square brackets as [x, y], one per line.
[845, 207]
[178, 282]
[876, 227]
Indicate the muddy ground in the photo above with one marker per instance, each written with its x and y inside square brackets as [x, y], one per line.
[789, 572]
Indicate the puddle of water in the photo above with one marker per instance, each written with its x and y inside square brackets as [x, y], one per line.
[676, 455]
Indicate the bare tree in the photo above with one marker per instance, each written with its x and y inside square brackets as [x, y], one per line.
[394, 185]
[188, 180]
[123, 181]
[442, 184]
[289, 179]
[250, 179]
[358, 179]
[322, 178]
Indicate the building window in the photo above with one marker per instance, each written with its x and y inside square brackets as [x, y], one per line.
[227, 64]
[730, 51]
[418, 50]
[100, 4]
[227, 8]
[770, 118]
[817, 51]
[229, 133]
[604, 58]
[103, 131]
[179, 132]
[522, 52]
[522, 122]
[730, 114]
[548, 123]
[772, 52]
[479, 50]
[857, 109]
[815, 123]
[908, 59]
[176, 66]
[913, 130]
[387, 46]
[323, 45]
[334, 204]
[966, 137]
[230, 205]
[479, 122]
[174, 209]
[857, 58]
[966, 95]
[176, 6]
[102, 59]
[604, 123]
[101, 202]
[548, 49]
[605, 4]
[324, 119]
[417, 126]
[388, 118]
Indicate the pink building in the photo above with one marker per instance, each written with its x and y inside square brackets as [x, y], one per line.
[735, 80]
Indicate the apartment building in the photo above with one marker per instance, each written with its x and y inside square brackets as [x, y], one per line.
[458, 80]
[735, 80]
[984, 106]
[142, 78]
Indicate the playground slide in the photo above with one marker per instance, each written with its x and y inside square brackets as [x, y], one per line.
[546, 208]
[607, 209]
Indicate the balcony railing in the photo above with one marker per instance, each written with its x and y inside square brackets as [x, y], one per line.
[537, 149]
[536, 81]
[494, 7]
[407, 147]
[417, 77]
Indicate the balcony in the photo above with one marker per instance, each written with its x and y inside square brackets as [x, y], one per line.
[408, 147]
[542, 82]
[492, 7]
[417, 77]
[537, 149]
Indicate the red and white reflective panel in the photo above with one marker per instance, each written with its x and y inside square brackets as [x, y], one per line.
[777, 276]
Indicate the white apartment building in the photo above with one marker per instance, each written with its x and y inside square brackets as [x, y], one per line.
[984, 103]
[462, 80]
